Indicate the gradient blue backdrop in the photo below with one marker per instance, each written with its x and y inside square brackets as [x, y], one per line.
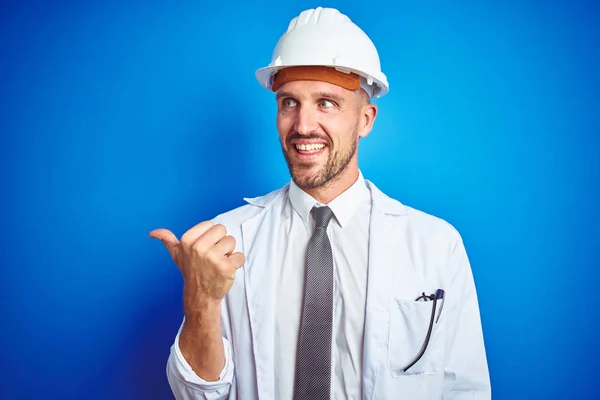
[118, 117]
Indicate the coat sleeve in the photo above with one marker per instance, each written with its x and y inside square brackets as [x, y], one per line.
[186, 385]
[466, 373]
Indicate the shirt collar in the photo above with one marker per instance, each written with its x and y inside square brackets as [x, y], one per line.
[344, 206]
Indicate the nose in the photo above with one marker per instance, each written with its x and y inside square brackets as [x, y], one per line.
[306, 120]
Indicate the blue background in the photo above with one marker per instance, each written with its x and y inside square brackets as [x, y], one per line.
[120, 117]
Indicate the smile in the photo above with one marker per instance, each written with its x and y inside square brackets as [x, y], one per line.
[309, 152]
[310, 147]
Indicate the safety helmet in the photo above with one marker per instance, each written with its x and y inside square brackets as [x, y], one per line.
[326, 37]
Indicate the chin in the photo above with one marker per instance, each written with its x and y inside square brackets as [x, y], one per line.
[307, 178]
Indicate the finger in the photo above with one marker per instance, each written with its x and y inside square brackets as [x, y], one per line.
[237, 259]
[211, 237]
[195, 232]
[168, 238]
[225, 246]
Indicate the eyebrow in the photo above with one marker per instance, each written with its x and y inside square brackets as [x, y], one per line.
[319, 95]
[330, 95]
[280, 95]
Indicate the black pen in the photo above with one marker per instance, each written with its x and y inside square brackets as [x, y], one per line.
[440, 295]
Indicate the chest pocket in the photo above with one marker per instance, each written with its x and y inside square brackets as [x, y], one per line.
[409, 323]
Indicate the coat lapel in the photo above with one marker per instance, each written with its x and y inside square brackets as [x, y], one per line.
[257, 233]
[384, 257]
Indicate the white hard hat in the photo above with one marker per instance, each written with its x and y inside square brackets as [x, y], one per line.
[325, 37]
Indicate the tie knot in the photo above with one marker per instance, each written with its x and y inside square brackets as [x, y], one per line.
[322, 216]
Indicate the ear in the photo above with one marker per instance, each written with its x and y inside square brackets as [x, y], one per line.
[368, 113]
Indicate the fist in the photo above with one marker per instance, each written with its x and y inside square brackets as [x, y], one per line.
[205, 256]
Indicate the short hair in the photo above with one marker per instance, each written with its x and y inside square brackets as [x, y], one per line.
[362, 96]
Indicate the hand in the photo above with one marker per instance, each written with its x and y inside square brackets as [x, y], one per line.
[206, 260]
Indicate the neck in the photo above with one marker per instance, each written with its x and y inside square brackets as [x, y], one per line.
[336, 186]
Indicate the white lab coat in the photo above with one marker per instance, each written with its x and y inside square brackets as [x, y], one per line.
[410, 252]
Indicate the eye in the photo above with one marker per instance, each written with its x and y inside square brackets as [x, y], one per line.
[288, 103]
[326, 103]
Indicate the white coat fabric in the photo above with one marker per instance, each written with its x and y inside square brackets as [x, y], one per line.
[410, 252]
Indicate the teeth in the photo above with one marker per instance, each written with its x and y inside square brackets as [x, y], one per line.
[313, 146]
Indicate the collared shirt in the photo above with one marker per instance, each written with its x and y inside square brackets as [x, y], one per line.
[348, 233]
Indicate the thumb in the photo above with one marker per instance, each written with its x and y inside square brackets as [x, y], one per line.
[169, 239]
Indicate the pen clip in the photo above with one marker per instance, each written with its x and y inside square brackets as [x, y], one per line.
[440, 295]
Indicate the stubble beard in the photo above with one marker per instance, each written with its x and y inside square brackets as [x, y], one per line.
[336, 164]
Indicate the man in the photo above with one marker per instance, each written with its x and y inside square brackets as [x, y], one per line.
[325, 288]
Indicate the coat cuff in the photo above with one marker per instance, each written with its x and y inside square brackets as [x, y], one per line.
[180, 369]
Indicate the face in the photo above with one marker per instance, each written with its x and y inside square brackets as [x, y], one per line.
[319, 127]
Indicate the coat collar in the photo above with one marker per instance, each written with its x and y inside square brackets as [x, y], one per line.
[381, 201]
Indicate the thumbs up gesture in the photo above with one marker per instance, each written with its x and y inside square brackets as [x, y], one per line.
[206, 260]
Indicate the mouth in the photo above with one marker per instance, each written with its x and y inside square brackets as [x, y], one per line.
[307, 151]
